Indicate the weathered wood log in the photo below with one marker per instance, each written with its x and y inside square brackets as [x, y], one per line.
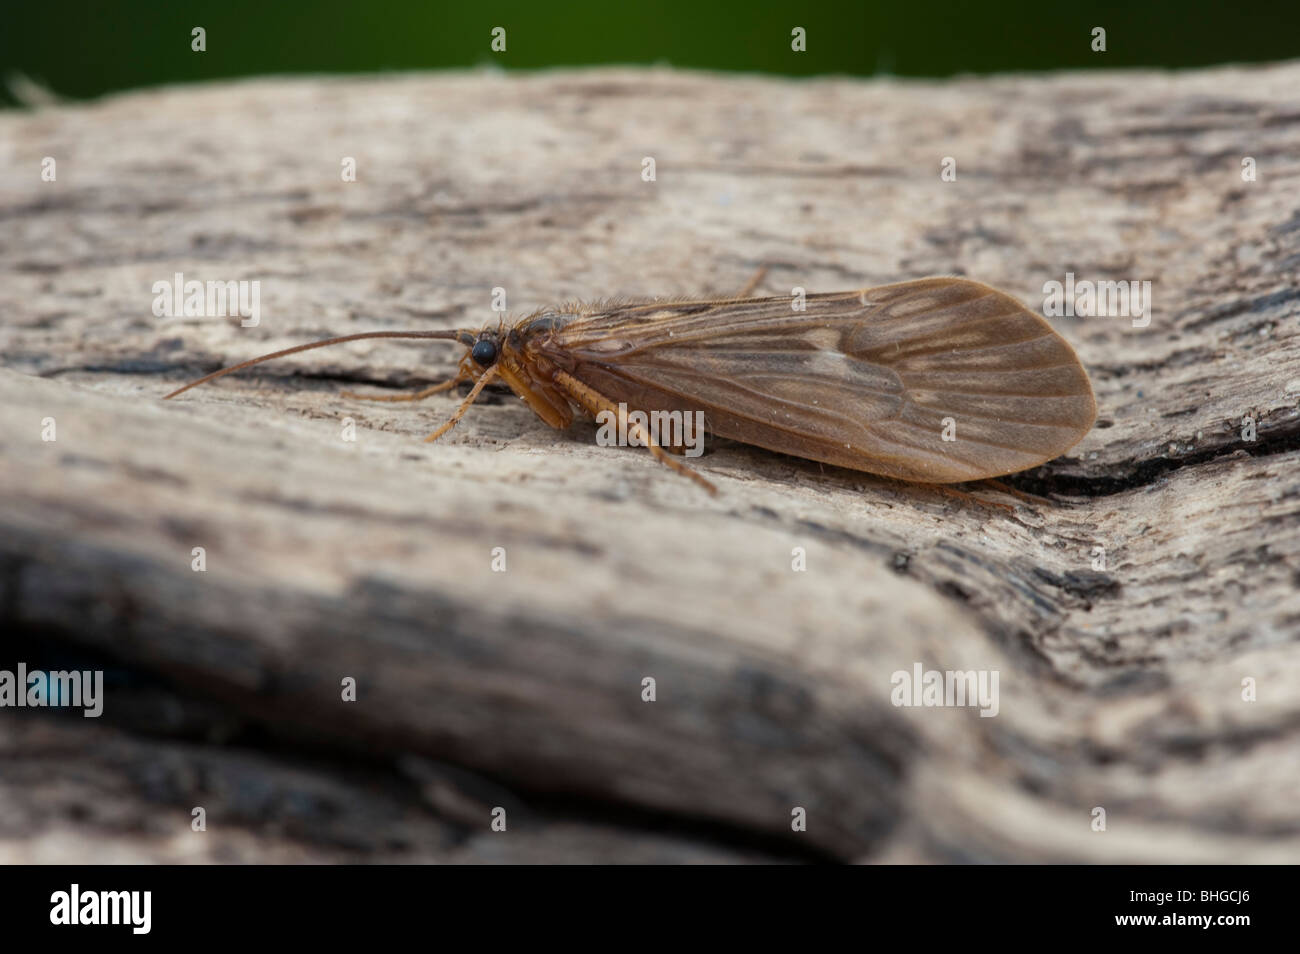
[1122, 613]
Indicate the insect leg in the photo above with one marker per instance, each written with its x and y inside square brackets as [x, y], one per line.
[753, 282]
[463, 373]
[488, 375]
[415, 396]
[964, 495]
[595, 402]
[1028, 498]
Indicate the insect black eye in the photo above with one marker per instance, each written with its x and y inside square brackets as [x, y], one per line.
[484, 352]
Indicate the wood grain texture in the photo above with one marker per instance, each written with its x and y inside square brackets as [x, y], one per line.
[1121, 687]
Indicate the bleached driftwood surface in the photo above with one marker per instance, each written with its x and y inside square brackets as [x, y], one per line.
[1121, 668]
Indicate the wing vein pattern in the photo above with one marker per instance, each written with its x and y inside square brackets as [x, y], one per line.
[937, 380]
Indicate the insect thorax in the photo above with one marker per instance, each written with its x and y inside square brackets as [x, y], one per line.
[539, 323]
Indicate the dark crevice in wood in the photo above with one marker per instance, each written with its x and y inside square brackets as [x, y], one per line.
[146, 704]
[1137, 474]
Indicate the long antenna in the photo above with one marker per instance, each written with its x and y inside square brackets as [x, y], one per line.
[450, 335]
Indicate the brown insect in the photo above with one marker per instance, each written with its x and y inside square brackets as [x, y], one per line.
[936, 381]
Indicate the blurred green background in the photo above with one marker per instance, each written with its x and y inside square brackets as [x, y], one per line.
[86, 49]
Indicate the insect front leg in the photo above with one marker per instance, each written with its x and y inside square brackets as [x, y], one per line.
[415, 396]
[470, 398]
[595, 402]
[462, 374]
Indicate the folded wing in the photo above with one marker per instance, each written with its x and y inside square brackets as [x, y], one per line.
[937, 380]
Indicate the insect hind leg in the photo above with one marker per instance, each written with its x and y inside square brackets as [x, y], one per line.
[754, 281]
